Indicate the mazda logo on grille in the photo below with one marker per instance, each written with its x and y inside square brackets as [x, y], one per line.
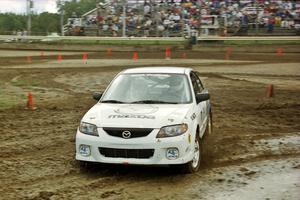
[126, 134]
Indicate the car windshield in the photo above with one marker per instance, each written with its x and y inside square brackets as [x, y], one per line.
[149, 89]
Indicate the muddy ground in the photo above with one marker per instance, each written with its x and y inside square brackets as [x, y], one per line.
[254, 152]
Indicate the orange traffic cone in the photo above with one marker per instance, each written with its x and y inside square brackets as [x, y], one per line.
[109, 52]
[59, 57]
[228, 53]
[30, 104]
[135, 56]
[279, 51]
[84, 56]
[270, 90]
[29, 59]
[168, 53]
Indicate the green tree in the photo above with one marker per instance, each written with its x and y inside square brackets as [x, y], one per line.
[78, 7]
[10, 22]
[45, 23]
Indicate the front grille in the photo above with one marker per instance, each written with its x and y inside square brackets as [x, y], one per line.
[134, 132]
[126, 153]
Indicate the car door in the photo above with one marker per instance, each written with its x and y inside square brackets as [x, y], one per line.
[206, 104]
[200, 107]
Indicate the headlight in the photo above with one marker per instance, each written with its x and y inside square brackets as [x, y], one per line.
[171, 131]
[89, 129]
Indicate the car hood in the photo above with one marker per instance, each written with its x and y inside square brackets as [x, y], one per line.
[136, 115]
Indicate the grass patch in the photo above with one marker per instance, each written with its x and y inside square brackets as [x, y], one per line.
[6, 100]
[261, 42]
[25, 83]
[129, 42]
[143, 42]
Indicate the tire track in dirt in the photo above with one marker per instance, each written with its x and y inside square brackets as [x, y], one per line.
[254, 137]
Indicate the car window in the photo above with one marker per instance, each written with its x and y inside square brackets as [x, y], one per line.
[199, 82]
[195, 83]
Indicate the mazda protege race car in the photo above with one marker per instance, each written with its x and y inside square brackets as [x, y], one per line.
[147, 116]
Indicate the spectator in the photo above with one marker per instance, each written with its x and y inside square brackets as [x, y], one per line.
[271, 22]
[169, 17]
[115, 30]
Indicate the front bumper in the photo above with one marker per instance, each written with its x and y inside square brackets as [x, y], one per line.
[160, 145]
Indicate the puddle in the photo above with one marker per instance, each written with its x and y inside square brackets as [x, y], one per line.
[277, 145]
[269, 179]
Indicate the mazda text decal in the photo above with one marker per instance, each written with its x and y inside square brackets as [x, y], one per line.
[132, 116]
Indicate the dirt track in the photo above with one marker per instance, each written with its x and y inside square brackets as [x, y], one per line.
[254, 152]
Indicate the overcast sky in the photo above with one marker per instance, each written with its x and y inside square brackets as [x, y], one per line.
[19, 6]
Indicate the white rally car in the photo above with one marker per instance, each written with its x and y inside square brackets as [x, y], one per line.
[147, 116]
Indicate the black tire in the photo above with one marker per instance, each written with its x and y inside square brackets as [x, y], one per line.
[205, 139]
[192, 166]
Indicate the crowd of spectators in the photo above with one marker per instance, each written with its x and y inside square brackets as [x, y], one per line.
[177, 17]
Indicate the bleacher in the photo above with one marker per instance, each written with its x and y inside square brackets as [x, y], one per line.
[232, 26]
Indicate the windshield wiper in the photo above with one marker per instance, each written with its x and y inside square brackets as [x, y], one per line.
[152, 102]
[112, 101]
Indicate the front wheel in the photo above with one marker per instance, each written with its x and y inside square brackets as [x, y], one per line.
[194, 165]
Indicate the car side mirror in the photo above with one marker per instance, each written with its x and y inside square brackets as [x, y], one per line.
[97, 96]
[202, 97]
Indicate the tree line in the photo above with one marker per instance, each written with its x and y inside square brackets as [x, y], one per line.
[44, 23]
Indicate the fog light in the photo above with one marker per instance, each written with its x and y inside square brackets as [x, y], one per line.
[172, 153]
[85, 150]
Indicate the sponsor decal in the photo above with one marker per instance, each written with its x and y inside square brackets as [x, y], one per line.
[171, 120]
[132, 109]
[193, 116]
[131, 116]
